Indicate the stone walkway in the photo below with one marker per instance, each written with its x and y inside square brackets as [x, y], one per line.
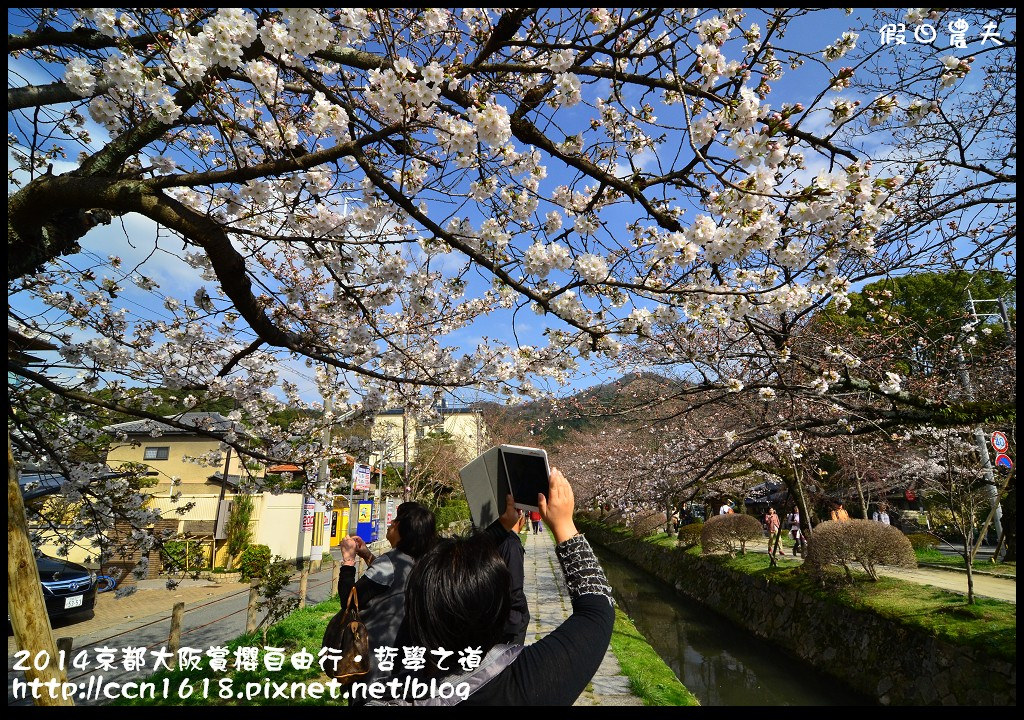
[549, 606]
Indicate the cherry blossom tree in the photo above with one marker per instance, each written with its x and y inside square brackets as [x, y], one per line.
[353, 188]
[949, 474]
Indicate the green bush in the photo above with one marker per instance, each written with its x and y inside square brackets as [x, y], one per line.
[722, 533]
[181, 556]
[254, 562]
[689, 535]
[865, 542]
[451, 511]
[922, 541]
[647, 522]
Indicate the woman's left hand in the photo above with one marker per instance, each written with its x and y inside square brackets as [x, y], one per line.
[349, 545]
[510, 517]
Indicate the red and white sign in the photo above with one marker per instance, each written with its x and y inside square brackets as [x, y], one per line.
[390, 506]
[308, 510]
[361, 477]
[999, 441]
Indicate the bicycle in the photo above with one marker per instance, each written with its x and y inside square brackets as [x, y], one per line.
[105, 583]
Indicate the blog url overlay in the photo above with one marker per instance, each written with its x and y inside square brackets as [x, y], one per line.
[97, 688]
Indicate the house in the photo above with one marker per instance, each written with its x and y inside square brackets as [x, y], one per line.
[396, 433]
[164, 448]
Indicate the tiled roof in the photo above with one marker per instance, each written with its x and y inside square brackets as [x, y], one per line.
[442, 409]
[211, 421]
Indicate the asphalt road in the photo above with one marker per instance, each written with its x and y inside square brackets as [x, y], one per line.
[212, 623]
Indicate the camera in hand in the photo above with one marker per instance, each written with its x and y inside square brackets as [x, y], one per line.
[520, 471]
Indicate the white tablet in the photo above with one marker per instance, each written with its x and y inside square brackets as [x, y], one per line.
[528, 474]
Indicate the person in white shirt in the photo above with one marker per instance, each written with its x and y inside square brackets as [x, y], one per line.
[880, 515]
[725, 509]
[793, 520]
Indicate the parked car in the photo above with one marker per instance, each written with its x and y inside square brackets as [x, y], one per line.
[68, 587]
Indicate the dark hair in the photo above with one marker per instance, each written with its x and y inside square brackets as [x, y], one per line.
[459, 595]
[416, 528]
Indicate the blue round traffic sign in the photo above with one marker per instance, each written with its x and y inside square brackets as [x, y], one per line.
[1004, 461]
[999, 441]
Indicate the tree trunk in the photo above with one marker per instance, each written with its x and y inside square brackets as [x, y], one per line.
[860, 492]
[970, 577]
[25, 604]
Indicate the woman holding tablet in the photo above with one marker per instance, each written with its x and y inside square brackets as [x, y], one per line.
[458, 597]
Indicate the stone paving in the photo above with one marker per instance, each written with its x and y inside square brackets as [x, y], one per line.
[549, 606]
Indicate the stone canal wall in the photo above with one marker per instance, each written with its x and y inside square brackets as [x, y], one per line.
[880, 657]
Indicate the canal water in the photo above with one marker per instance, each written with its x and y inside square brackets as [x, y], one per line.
[717, 661]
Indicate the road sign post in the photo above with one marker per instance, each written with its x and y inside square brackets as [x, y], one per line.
[999, 442]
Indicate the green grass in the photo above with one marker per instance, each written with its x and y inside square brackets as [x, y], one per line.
[662, 538]
[650, 678]
[931, 556]
[989, 625]
[302, 629]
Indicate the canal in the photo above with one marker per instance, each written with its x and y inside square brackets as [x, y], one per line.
[717, 661]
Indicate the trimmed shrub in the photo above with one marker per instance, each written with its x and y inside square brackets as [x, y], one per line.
[459, 528]
[615, 518]
[452, 511]
[254, 562]
[724, 533]
[689, 535]
[647, 523]
[922, 541]
[866, 542]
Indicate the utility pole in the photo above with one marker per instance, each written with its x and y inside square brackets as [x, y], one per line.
[323, 477]
[979, 434]
[220, 524]
[405, 453]
[316, 549]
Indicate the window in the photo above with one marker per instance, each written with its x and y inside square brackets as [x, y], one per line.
[156, 453]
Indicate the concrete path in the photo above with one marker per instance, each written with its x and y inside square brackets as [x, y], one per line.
[955, 580]
[549, 606]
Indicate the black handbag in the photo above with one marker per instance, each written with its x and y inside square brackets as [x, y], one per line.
[348, 643]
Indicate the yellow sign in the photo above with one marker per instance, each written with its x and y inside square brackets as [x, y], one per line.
[365, 512]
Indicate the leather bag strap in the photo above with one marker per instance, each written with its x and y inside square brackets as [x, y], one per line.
[353, 599]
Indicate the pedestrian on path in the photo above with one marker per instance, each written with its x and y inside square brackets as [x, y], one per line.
[839, 513]
[535, 521]
[772, 525]
[881, 514]
[458, 598]
[793, 520]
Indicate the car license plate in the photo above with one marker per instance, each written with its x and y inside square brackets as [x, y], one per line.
[73, 601]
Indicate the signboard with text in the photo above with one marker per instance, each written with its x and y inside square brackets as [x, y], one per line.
[361, 477]
[390, 507]
[308, 509]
